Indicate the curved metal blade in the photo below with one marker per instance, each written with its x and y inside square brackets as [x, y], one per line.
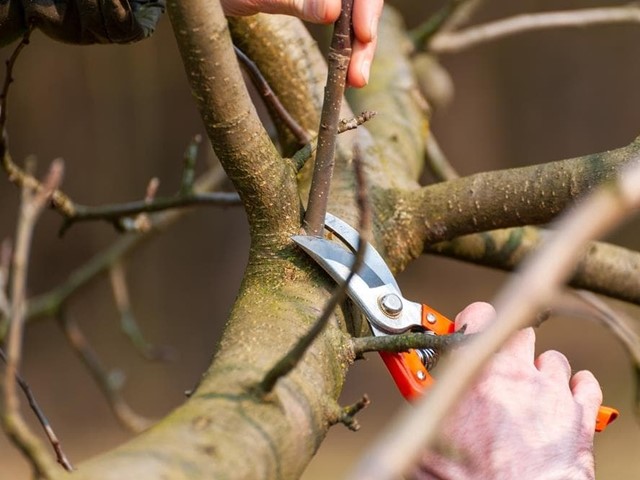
[350, 237]
[365, 288]
[337, 261]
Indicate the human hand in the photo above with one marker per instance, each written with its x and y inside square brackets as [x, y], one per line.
[366, 14]
[523, 418]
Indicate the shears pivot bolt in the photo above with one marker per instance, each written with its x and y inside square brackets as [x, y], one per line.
[391, 304]
[431, 318]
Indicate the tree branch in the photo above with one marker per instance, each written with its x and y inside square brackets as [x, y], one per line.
[116, 212]
[457, 41]
[31, 206]
[339, 56]
[500, 199]
[292, 64]
[265, 183]
[299, 159]
[61, 457]
[603, 268]
[271, 99]
[407, 341]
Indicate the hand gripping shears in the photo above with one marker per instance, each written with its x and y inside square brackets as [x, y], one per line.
[375, 291]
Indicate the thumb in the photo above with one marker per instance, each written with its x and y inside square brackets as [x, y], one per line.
[315, 11]
[476, 317]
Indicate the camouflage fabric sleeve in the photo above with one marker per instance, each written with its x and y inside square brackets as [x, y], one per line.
[81, 22]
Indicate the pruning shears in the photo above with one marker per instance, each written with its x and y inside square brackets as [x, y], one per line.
[375, 291]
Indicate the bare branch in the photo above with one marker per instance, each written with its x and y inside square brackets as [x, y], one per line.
[105, 380]
[408, 341]
[299, 159]
[338, 59]
[265, 183]
[347, 415]
[271, 98]
[61, 457]
[457, 41]
[117, 212]
[31, 206]
[603, 268]
[400, 446]
[504, 198]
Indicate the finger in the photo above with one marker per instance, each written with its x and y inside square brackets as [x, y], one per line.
[475, 317]
[478, 315]
[365, 17]
[554, 365]
[360, 64]
[316, 11]
[587, 392]
[521, 346]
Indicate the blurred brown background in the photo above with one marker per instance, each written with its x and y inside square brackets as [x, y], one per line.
[121, 115]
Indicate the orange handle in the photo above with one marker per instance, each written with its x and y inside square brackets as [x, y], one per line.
[606, 415]
[412, 378]
[407, 370]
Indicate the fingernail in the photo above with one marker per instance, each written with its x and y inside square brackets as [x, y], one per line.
[318, 8]
[364, 70]
[374, 28]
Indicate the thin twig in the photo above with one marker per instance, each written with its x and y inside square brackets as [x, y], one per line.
[128, 322]
[338, 59]
[291, 359]
[269, 96]
[299, 159]
[115, 213]
[8, 77]
[408, 341]
[61, 457]
[347, 415]
[457, 41]
[110, 388]
[407, 437]
[31, 206]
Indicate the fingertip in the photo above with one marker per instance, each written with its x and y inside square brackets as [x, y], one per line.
[587, 393]
[475, 316]
[586, 389]
[321, 11]
[554, 364]
[366, 15]
[360, 64]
